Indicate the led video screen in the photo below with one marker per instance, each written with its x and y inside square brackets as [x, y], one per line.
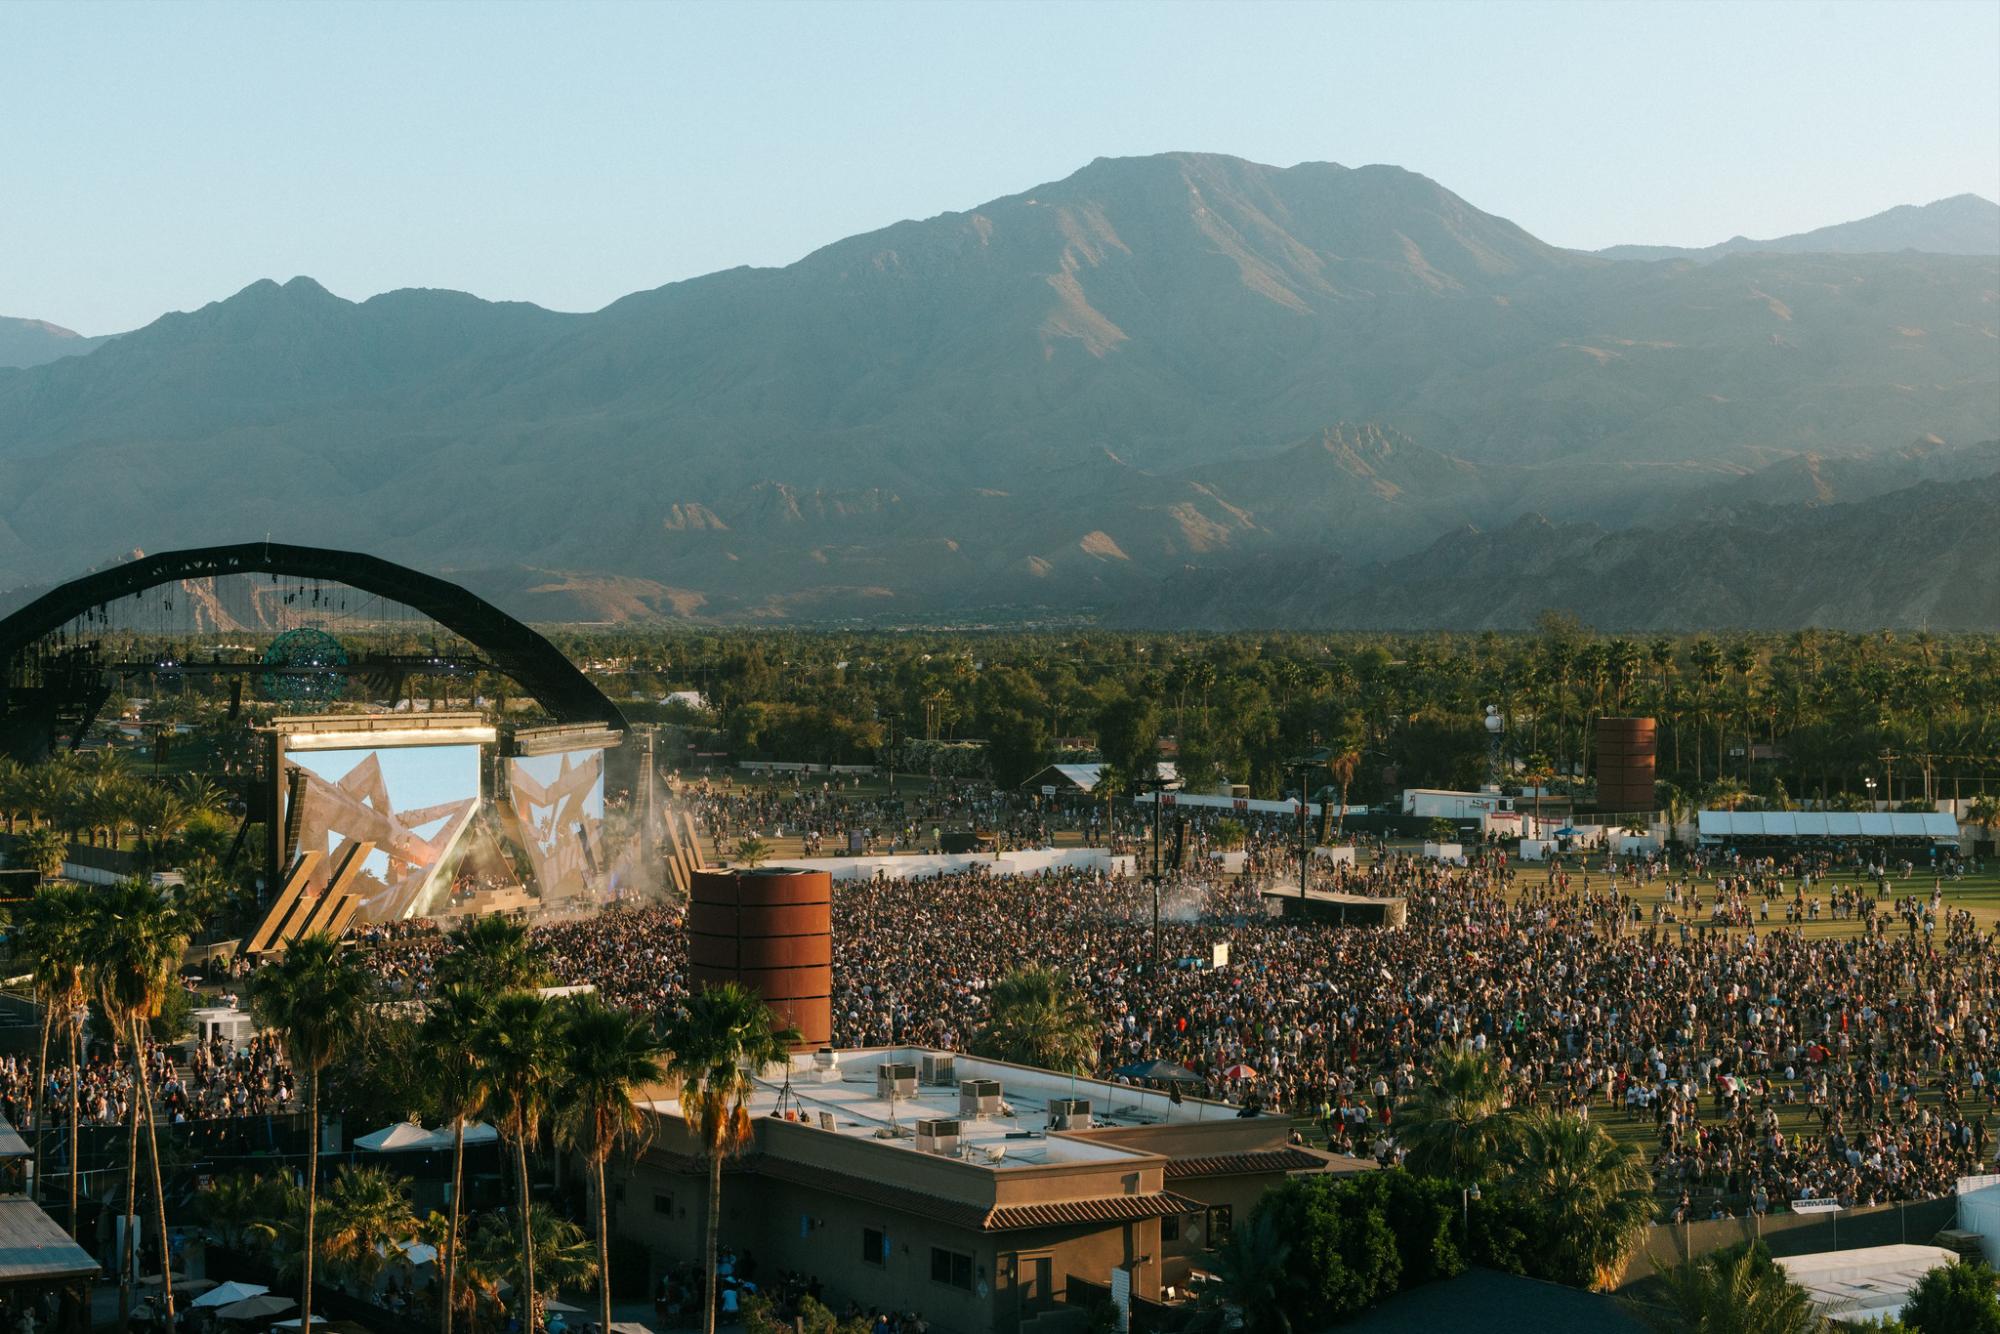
[558, 802]
[414, 803]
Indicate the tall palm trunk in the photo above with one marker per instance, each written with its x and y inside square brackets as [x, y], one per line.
[603, 1248]
[75, 1120]
[708, 1245]
[159, 1192]
[42, 1092]
[129, 1218]
[528, 1322]
[451, 1228]
[312, 1200]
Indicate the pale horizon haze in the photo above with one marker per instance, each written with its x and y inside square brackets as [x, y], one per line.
[160, 157]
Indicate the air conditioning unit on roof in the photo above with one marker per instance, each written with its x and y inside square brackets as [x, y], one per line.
[895, 1081]
[979, 1097]
[938, 1136]
[939, 1069]
[1069, 1113]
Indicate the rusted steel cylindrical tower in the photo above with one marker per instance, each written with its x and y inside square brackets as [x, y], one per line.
[772, 931]
[1627, 757]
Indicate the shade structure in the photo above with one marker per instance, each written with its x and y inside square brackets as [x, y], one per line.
[257, 1308]
[409, 1137]
[404, 1135]
[228, 1294]
[417, 1252]
[1159, 1072]
[1932, 825]
[1239, 1072]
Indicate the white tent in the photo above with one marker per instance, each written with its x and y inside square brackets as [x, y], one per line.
[1866, 1283]
[409, 1137]
[1979, 1211]
[402, 1136]
[229, 1294]
[1938, 828]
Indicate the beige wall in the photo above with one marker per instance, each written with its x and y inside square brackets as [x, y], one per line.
[792, 1227]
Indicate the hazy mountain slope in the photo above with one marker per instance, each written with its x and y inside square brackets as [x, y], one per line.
[35, 342]
[1960, 225]
[1053, 398]
[1919, 557]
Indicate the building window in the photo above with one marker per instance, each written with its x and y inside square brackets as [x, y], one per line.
[663, 1204]
[1170, 1228]
[1219, 1220]
[951, 1268]
[874, 1246]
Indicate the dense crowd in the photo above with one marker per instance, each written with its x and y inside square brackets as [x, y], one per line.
[215, 1079]
[1887, 1034]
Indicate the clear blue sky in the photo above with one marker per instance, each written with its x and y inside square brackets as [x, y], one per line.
[157, 157]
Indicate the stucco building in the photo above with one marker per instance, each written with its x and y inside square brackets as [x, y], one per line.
[993, 1198]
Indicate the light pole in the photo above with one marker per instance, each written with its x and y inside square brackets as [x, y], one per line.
[1869, 783]
[1465, 1198]
[1159, 785]
[1300, 766]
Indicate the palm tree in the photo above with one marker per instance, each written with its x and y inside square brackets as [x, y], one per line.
[1457, 1124]
[1257, 1292]
[719, 1044]
[135, 941]
[52, 937]
[1737, 1290]
[1341, 766]
[495, 953]
[1539, 770]
[45, 849]
[1111, 785]
[458, 1012]
[1593, 1193]
[610, 1056]
[313, 997]
[367, 1211]
[752, 851]
[562, 1257]
[519, 1052]
[1034, 1018]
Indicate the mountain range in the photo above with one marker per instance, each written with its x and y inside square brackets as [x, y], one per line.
[1109, 395]
[1960, 225]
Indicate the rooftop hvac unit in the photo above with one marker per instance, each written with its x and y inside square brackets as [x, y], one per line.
[979, 1097]
[825, 1067]
[1069, 1113]
[937, 1136]
[895, 1081]
[942, 1070]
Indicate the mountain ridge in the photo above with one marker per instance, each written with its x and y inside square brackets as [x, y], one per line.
[1962, 224]
[1057, 397]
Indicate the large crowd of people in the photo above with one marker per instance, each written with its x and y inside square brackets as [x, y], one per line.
[1761, 1063]
[214, 1079]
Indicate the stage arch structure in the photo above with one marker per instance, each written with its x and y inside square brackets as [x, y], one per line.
[45, 695]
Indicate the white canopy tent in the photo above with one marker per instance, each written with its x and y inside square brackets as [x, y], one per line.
[409, 1137]
[1979, 1211]
[229, 1294]
[1866, 1283]
[1718, 825]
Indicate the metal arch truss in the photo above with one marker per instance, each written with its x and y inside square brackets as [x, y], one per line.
[516, 650]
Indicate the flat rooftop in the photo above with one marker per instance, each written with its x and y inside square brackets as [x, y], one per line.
[1018, 1136]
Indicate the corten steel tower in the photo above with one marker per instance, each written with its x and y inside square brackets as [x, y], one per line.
[772, 931]
[1627, 754]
